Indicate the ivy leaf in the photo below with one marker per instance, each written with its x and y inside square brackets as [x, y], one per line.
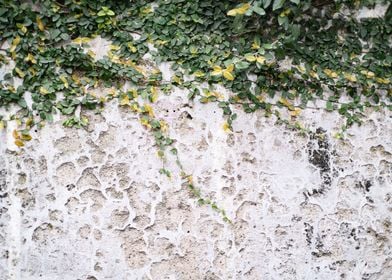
[266, 3]
[278, 4]
[228, 75]
[240, 10]
[40, 24]
[259, 10]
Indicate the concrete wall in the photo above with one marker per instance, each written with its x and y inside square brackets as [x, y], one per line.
[90, 203]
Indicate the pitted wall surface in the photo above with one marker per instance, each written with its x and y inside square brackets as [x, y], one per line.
[91, 204]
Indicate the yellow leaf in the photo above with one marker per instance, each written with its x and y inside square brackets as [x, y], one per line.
[29, 122]
[295, 112]
[383, 80]
[19, 143]
[227, 74]
[260, 59]
[26, 137]
[124, 101]
[255, 46]
[350, 77]
[30, 58]
[287, 103]
[217, 70]
[19, 72]
[148, 109]
[164, 126]
[330, 73]
[64, 80]
[2, 125]
[81, 40]
[40, 24]
[198, 73]
[131, 47]
[22, 27]
[250, 57]
[15, 43]
[91, 53]
[226, 127]
[230, 68]
[43, 90]
[135, 108]
[154, 94]
[15, 134]
[114, 47]
[313, 74]
[144, 121]
[301, 69]
[239, 11]
[370, 74]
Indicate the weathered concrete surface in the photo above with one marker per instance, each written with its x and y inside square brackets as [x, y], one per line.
[90, 204]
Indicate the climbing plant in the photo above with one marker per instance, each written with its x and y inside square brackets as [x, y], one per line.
[270, 54]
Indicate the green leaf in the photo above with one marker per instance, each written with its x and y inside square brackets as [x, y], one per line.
[259, 10]
[266, 3]
[295, 1]
[278, 4]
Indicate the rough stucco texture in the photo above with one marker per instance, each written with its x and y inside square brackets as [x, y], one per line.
[90, 204]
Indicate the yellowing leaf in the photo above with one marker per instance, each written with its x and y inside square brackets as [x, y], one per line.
[26, 137]
[64, 80]
[19, 72]
[260, 59]
[230, 68]
[313, 74]
[350, 77]
[124, 101]
[226, 127]
[30, 58]
[368, 74]
[15, 43]
[81, 40]
[91, 53]
[19, 143]
[301, 69]
[217, 70]
[295, 112]
[154, 94]
[250, 58]
[239, 11]
[163, 125]
[22, 27]
[131, 47]
[145, 122]
[40, 24]
[29, 122]
[148, 109]
[2, 125]
[15, 134]
[383, 80]
[330, 73]
[199, 74]
[43, 90]
[227, 74]
[286, 103]
[255, 46]
[135, 108]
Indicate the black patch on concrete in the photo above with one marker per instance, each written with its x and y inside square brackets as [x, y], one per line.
[364, 185]
[308, 233]
[319, 155]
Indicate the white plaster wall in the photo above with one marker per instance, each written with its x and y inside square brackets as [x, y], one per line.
[90, 204]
